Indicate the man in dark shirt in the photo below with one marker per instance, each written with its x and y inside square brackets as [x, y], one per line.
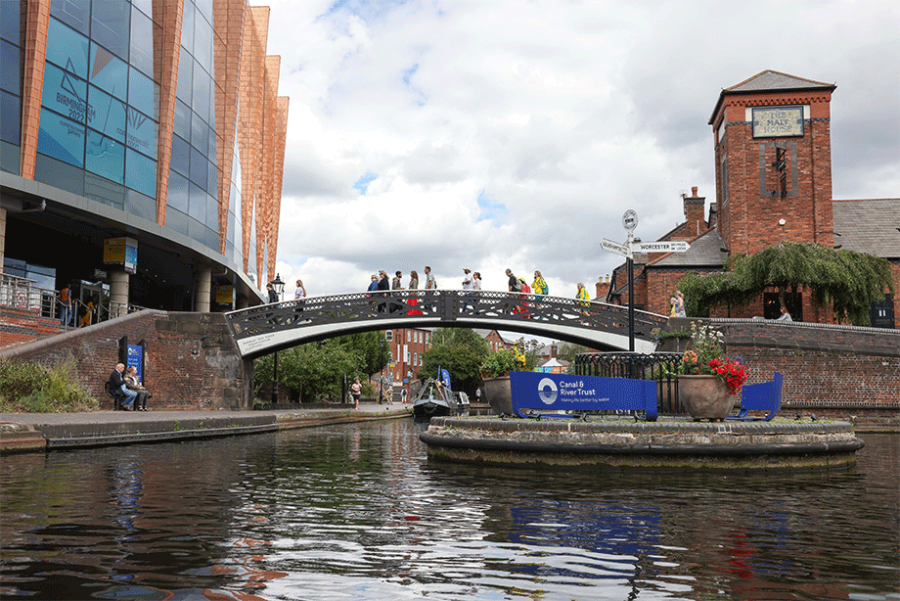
[513, 281]
[118, 382]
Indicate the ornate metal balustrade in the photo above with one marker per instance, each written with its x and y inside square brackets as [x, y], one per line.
[652, 366]
[263, 329]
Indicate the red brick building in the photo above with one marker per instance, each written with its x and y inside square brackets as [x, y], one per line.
[772, 136]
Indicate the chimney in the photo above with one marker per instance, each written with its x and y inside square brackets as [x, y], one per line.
[553, 350]
[693, 213]
[602, 287]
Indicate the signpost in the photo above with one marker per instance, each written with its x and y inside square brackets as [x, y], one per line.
[627, 250]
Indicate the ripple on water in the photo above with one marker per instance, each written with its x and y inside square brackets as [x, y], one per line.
[359, 512]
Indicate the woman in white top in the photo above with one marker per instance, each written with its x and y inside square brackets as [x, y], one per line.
[300, 292]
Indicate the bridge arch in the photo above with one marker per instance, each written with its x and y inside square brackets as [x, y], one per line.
[265, 329]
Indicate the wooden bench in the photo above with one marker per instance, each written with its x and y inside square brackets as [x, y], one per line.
[533, 394]
[760, 397]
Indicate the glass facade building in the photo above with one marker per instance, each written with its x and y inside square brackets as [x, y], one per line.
[141, 118]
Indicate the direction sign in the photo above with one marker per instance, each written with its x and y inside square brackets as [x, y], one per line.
[615, 247]
[672, 246]
[630, 220]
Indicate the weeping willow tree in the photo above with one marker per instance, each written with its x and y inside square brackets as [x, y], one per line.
[848, 281]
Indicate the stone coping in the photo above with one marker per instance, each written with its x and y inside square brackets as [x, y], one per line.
[674, 443]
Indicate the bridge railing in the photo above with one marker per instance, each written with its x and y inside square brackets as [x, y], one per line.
[424, 306]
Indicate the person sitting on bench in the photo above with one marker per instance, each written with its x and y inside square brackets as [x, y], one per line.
[132, 383]
[117, 382]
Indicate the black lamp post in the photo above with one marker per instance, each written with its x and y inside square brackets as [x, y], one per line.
[381, 380]
[278, 287]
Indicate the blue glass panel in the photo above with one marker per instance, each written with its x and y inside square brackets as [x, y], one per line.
[99, 188]
[141, 133]
[140, 173]
[184, 91]
[10, 157]
[145, 5]
[212, 213]
[229, 234]
[181, 157]
[178, 192]
[142, 42]
[108, 73]
[64, 93]
[142, 93]
[140, 205]
[182, 125]
[211, 148]
[110, 26]
[10, 118]
[205, 8]
[176, 220]
[199, 173]
[212, 180]
[67, 49]
[10, 20]
[104, 156]
[202, 91]
[187, 27]
[107, 114]
[199, 135]
[73, 13]
[197, 206]
[10, 76]
[203, 43]
[61, 138]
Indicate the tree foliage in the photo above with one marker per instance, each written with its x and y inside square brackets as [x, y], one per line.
[567, 351]
[848, 281]
[459, 351]
[317, 369]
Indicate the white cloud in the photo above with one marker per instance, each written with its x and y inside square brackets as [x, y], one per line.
[557, 115]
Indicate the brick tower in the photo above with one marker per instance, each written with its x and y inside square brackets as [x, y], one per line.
[773, 162]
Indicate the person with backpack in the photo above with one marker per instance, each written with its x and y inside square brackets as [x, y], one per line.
[523, 289]
[539, 285]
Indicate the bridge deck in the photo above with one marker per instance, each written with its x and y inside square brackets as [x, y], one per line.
[267, 328]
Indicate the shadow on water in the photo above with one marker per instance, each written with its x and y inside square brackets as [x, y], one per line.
[358, 511]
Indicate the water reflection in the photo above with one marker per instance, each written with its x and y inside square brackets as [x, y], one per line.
[358, 511]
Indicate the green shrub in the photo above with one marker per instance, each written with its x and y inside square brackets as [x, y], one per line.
[27, 387]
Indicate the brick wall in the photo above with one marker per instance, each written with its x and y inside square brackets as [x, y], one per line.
[191, 361]
[824, 365]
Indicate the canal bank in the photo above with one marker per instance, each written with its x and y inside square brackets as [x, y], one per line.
[24, 432]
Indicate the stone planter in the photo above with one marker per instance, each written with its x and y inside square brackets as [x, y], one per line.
[705, 397]
[499, 395]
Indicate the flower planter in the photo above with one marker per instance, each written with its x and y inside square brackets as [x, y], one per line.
[499, 395]
[705, 397]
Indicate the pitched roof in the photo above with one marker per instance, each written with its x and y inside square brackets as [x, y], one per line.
[775, 80]
[770, 81]
[705, 251]
[868, 226]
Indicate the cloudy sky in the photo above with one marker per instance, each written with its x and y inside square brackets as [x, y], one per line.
[494, 134]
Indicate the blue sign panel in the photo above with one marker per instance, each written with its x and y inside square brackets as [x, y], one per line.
[136, 359]
[561, 392]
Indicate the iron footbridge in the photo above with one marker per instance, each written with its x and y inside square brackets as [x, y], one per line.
[264, 329]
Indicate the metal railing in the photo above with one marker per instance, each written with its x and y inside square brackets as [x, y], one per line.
[650, 366]
[22, 294]
[428, 306]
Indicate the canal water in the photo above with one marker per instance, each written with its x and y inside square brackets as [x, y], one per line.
[359, 512]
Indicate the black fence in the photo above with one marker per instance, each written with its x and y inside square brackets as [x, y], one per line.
[652, 366]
